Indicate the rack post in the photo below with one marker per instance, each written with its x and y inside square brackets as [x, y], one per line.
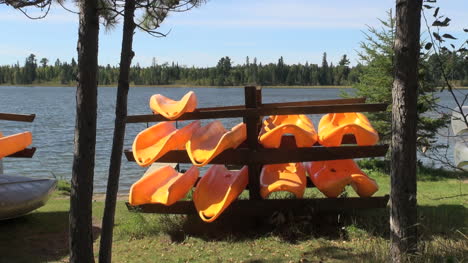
[252, 100]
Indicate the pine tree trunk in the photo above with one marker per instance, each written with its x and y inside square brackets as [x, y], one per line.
[403, 214]
[81, 237]
[105, 250]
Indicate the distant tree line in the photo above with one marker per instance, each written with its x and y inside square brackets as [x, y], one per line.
[223, 74]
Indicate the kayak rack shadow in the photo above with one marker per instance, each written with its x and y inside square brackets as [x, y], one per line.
[251, 153]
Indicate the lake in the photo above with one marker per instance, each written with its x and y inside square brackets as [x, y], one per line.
[53, 128]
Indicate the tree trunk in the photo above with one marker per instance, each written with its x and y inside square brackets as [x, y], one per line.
[81, 237]
[105, 250]
[403, 214]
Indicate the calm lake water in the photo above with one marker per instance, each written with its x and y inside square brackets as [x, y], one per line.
[53, 128]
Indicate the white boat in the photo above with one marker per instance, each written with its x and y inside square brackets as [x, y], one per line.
[460, 154]
[458, 124]
[20, 195]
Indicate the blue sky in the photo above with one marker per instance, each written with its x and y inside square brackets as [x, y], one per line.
[298, 30]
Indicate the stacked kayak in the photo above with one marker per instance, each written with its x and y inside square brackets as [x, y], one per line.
[20, 195]
[330, 177]
[219, 187]
[14, 143]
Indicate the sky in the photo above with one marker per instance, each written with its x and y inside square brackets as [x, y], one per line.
[298, 30]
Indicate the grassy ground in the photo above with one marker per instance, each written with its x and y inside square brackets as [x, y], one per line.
[362, 237]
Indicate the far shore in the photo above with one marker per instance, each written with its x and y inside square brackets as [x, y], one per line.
[190, 86]
[177, 86]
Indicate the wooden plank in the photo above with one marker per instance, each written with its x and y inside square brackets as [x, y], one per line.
[285, 104]
[269, 206]
[239, 113]
[252, 100]
[314, 102]
[196, 115]
[26, 153]
[280, 155]
[323, 109]
[17, 117]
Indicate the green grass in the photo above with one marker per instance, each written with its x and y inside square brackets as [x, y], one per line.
[361, 237]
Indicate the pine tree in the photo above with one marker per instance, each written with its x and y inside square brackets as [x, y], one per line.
[324, 74]
[376, 78]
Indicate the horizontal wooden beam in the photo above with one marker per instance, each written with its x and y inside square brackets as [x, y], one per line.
[237, 113]
[323, 109]
[17, 117]
[269, 206]
[26, 153]
[280, 155]
[287, 104]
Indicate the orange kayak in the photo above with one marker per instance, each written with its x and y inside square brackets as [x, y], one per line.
[333, 126]
[14, 143]
[173, 109]
[217, 189]
[289, 177]
[157, 140]
[274, 127]
[363, 185]
[210, 140]
[331, 177]
[163, 186]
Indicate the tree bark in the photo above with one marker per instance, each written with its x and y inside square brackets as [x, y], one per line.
[403, 211]
[105, 250]
[81, 237]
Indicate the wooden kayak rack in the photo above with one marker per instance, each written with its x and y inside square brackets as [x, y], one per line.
[251, 153]
[28, 152]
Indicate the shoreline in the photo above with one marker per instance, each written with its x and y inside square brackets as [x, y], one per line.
[191, 86]
[39, 85]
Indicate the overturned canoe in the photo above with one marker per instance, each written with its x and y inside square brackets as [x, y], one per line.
[20, 195]
[164, 186]
[14, 143]
[217, 189]
[157, 140]
[209, 141]
[173, 109]
[460, 154]
[274, 127]
[289, 177]
[458, 122]
[332, 127]
[331, 177]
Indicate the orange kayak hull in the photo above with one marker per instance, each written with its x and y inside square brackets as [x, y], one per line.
[172, 109]
[209, 141]
[163, 186]
[155, 141]
[363, 185]
[14, 143]
[331, 177]
[217, 189]
[290, 177]
[274, 127]
[332, 127]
